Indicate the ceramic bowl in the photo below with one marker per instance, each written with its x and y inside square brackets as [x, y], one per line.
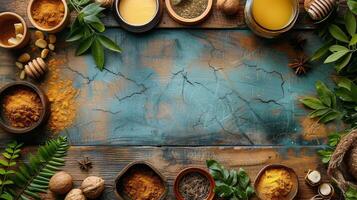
[7, 21]
[118, 184]
[59, 27]
[193, 170]
[186, 21]
[44, 101]
[294, 191]
[139, 28]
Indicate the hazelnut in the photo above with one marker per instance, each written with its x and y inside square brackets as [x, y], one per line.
[92, 187]
[75, 194]
[61, 183]
[228, 7]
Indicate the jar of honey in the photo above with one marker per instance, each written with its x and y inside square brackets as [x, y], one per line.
[271, 18]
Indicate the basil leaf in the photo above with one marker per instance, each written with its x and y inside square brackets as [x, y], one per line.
[84, 46]
[318, 113]
[312, 103]
[108, 43]
[335, 56]
[98, 54]
[332, 115]
[353, 40]
[98, 26]
[352, 5]
[344, 62]
[337, 33]
[336, 47]
[92, 9]
[344, 94]
[350, 23]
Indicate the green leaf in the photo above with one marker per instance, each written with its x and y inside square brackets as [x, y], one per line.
[324, 93]
[335, 56]
[108, 43]
[98, 26]
[353, 40]
[352, 5]
[4, 163]
[328, 117]
[345, 83]
[336, 47]
[312, 103]
[344, 94]
[318, 113]
[75, 36]
[6, 196]
[321, 52]
[350, 22]
[84, 46]
[337, 33]
[92, 9]
[344, 62]
[98, 54]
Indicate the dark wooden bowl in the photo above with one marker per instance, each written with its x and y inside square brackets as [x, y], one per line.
[44, 101]
[6, 17]
[118, 184]
[142, 27]
[193, 170]
[294, 191]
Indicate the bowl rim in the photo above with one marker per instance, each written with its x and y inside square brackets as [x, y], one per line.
[132, 164]
[44, 102]
[187, 21]
[194, 170]
[33, 22]
[274, 166]
[21, 19]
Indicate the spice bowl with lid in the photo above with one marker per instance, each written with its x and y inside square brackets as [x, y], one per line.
[194, 183]
[14, 31]
[49, 16]
[140, 180]
[24, 107]
[138, 16]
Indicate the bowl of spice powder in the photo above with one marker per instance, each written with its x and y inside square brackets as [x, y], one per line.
[140, 181]
[48, 15]
[24, 107]
[189, 12]
[194, 184]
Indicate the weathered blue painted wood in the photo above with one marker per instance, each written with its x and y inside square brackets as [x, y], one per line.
[191, 87]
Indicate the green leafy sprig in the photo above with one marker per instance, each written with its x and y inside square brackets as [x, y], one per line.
[352, 5]
[234, 185]
[351, 193]
[333, 140]
[87, 30]
[7, 163]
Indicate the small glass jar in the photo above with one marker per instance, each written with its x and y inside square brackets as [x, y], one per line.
[264, 32]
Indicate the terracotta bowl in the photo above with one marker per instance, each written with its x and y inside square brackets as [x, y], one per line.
[294, 191]
[44, 101]
[118, 184]
[59, 27]
[193, 170]
[186, 21]
[7, 21]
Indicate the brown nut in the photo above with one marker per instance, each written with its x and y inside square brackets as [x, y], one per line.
[92, 187]
[75, 194]
[39, 35]
[44, 53]
[41, 43]
[51, 47]
[228, 7]
[61, 183]
[25, 57]
[52, 38]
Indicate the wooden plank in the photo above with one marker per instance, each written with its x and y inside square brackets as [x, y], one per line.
[217, 20]
[108, 161]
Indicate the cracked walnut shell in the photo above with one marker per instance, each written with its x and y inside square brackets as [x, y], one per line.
[92, 187]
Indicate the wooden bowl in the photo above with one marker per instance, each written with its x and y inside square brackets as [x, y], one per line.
[7, 21]
[193, 170]
[138, 28]
[294, 190]
[44, 101]
[186, 21]
[59, 27]
[118, 184]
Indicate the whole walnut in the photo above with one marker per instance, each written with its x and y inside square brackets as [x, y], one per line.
[61, 183]
[228, 7]
[92, 187]
[75, 194]
[48, 196]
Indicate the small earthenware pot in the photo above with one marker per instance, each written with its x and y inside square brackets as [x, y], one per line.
[295, 187]
[118, 183]
[193, 170]
[7, 20]
[59, 27]
[44, 101]
[263, 32]
[138, 28]
[186, 21]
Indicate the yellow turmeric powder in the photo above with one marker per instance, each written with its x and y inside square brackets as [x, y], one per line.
[48, 13]
[275, 184]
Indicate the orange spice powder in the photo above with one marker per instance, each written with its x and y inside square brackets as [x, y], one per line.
[48, 13]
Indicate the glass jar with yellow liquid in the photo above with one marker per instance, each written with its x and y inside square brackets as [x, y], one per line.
[271, 18]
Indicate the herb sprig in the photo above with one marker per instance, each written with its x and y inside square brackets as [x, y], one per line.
[231, 184]
[351, 193]
[87, 30]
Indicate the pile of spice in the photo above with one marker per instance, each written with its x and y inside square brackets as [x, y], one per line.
[48, 13]
[275, 184]
[22, 108]
[143, 184]
[189, 9]
[194, 186]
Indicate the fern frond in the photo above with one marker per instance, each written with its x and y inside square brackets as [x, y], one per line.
[33, 177]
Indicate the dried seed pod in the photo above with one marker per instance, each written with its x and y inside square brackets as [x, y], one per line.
[19, 65]
[39, 35]
[51, 47]
[22, 75]
[52, 38]
[326, 190]
[36, 68]
[319, 9]
[41, 43]
[44, 53]
[313, 178]
[25, 57]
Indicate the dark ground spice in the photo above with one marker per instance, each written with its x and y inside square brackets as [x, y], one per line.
[190, 9]
[194, 186]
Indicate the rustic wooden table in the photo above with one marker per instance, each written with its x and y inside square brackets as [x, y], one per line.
[176, 97]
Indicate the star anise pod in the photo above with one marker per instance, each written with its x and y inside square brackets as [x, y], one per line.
[298, 42]
[300, 65]
[85, 164]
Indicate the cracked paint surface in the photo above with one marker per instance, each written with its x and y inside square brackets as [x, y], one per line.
[191, 87]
